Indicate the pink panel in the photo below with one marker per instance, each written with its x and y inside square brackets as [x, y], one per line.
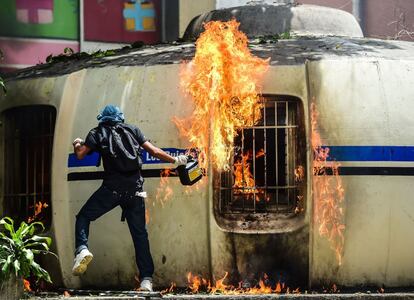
[22, 15]
[33, 8]
[45, 16]
[32, 52]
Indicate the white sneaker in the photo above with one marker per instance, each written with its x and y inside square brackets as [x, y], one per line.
[81, 262]
[146, 284]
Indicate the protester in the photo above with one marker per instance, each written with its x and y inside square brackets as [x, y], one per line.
[119, 146]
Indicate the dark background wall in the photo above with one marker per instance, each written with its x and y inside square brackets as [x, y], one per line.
[386, 19]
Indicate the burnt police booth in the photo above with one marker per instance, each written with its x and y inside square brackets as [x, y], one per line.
[362, 89]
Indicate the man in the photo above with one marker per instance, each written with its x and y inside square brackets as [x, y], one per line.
[122, 185]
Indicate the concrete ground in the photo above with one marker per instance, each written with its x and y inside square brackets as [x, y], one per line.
[157, 296]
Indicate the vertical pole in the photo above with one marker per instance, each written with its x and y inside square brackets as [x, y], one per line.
[81, 26]
[264, 149]
[277, 157]
[358, 12]
[163, 21]
[287, 155]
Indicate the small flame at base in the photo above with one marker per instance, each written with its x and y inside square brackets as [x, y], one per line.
[197, 284]
[26, 284]
[39, 207]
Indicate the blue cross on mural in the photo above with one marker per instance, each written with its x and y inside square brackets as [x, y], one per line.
[139, 15]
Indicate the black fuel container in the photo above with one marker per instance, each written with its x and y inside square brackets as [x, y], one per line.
[189, 173]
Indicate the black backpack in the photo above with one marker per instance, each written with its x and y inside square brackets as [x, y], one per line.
[119, 144]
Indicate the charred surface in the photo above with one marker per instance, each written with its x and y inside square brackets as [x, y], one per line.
[280, 52]
[283, 258]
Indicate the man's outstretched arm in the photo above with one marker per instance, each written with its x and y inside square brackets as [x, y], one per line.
[80, 149]
[161, 154]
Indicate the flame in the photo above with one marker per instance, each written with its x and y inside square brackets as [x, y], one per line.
[194, 282]
[169, 290]
[147, 216]
[26, 284]
[66, 294]
[299, 205]
[260, 153]
[172, 287]
[299, 173]
[223, 82]
[197, 284]
[39, 206]
[219, 285]
[164, 190]
[244, 182]
[328, 192]
[243, 178]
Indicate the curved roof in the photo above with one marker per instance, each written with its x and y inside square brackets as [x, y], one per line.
[264, 19]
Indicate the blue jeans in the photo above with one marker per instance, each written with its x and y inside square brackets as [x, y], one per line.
[104, 200]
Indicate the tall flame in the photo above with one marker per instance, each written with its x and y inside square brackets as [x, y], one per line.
[223, 82]
[328, 192]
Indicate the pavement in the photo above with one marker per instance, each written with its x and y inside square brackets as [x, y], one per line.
[109, 295]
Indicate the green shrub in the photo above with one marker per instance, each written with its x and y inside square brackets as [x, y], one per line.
[18, 249]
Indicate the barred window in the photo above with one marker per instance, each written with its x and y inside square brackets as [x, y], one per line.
[28, 140]
[268, 163]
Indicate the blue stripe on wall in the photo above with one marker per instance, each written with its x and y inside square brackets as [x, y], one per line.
[88, 161]
[92, 159]
[148, 159]
[371, 153]
[337, 153]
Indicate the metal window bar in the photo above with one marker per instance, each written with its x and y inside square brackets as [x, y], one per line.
[287, 150]
[279, 195]
[28, 140]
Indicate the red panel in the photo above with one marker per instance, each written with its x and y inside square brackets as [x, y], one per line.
[104, 21]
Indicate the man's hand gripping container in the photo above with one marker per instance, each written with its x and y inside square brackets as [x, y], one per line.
[190, 173]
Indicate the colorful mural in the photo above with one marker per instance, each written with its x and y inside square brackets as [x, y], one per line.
[130, 21]
[30, 30]
[139, 16]
[35, 12]
[40, 18]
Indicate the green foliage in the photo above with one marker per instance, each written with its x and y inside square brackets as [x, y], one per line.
[19, 247]
[274, 38]
[285, 35]
[68, 54]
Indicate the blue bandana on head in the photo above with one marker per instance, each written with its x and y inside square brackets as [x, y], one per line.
[111, 114]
